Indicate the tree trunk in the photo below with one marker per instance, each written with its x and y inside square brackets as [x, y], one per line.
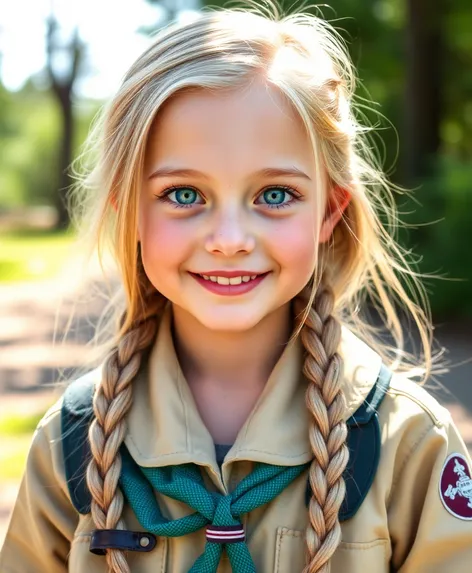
[423, 107]
[62, 88]
[65, 155]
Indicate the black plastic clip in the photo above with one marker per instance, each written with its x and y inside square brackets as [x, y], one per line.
[103, 539]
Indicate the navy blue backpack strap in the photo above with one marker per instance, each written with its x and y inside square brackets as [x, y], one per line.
[76, 415]
[364, 444]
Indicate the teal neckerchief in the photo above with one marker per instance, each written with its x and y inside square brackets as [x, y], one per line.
[221, 512]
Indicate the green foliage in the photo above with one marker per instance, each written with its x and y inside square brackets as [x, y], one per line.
[29, 135]
[6, 116]
[441, 234]
[27, 169]
[457, 80]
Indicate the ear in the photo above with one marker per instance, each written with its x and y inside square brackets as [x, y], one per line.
[338, 200]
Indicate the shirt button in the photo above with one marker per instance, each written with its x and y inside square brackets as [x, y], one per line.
[144, 541]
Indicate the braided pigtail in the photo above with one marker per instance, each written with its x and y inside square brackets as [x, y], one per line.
[320, 336]
[111, 403]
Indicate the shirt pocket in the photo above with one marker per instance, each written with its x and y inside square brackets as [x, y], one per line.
[289, 551]
[348, 557]
[80, 558]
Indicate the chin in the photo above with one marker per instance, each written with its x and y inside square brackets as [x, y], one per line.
[229, 320]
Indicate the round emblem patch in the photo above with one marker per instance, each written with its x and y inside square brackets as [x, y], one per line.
[455, 486]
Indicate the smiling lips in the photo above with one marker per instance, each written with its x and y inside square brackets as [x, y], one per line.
[230, 277]
[229, 282]
[230, 274]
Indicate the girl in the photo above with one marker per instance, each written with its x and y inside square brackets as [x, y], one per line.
[244, 418]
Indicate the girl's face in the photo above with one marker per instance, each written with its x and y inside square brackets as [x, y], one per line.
[229, 184]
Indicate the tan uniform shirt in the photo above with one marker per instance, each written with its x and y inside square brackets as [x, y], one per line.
[402, 525]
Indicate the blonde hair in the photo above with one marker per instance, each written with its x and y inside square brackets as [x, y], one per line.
[304, 57]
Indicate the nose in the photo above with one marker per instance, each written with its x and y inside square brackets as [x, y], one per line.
[229, 232]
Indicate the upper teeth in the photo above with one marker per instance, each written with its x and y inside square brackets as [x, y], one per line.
[229, 281]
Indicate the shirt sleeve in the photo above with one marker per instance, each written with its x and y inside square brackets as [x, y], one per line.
[43, 521]
[430, 510]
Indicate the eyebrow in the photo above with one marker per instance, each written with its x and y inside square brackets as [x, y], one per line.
[167, 171]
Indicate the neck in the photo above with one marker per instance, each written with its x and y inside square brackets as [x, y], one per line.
[245, 359]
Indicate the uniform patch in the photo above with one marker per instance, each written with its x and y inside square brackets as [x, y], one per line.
[455, 486]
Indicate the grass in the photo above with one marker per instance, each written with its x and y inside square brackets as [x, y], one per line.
[15, 436]
[13, 455]
[33, 255]
[18, 424]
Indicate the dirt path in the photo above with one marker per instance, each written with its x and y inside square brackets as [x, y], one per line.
[31, 314]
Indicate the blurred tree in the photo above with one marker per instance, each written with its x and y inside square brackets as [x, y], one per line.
[424, 103]
[62, 84]
[5, 112]
[28, 162]
[29, 144]
[456, 127]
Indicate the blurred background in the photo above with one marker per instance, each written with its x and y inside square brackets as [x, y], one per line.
[59, 62]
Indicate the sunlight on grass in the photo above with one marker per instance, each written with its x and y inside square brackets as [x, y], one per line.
[13, 455]
[18, 424]
[33, 255]
[16, 433]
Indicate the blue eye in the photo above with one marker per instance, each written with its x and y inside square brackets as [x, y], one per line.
[277, 194]
[185, 196]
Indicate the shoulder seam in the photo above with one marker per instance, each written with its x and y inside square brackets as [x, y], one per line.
[434, 418]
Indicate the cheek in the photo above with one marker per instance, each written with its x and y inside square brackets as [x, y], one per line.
[293, 245]
[165, 244]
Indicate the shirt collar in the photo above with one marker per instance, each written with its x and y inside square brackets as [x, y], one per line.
[165, 428]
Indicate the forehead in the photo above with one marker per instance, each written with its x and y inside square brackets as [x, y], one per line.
[229, 130]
